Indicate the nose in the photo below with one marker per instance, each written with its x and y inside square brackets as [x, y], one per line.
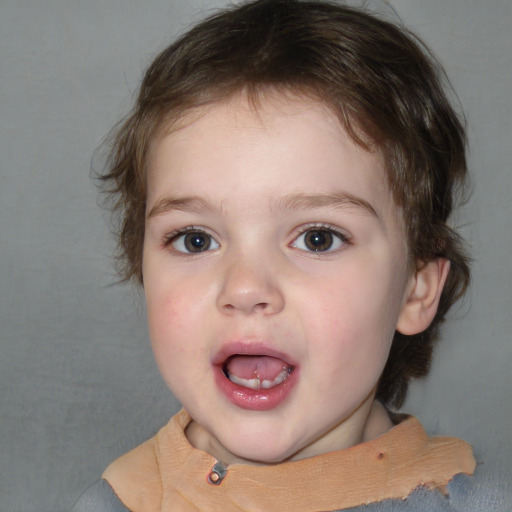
[250, 286]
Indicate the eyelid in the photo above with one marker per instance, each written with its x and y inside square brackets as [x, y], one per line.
[342, 236]
[171, 238]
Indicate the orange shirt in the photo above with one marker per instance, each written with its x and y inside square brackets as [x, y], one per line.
[167, 473]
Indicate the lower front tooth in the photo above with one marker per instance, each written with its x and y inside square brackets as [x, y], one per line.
[280, 378]
[248, 383]
[257, 384]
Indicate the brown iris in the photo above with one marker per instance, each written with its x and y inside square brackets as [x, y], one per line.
[318, 240]
[197, 241]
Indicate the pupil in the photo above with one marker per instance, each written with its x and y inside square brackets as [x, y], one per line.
[197, 242]
[318, 240]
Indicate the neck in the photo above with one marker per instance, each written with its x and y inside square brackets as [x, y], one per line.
[369, 421]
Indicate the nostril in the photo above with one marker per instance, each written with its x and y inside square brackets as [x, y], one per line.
[249, 296]
[259, 306]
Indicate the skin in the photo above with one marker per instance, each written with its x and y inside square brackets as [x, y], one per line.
[260, 180]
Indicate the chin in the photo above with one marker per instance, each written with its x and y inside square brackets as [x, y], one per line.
[261, 452]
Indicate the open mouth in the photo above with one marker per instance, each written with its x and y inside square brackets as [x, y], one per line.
[254, 376]
[256, 371]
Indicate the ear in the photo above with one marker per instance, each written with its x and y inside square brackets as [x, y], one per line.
[422, 297]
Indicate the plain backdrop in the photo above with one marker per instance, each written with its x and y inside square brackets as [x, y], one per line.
[78, 386]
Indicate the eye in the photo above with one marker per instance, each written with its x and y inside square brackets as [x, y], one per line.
[192, 241]
[319, 239]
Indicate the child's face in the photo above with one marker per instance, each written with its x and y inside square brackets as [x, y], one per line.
[273, 250]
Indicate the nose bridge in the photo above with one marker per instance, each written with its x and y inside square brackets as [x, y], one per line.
[250, 283]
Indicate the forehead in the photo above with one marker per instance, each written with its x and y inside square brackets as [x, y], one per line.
[277, 145]
[270, 109]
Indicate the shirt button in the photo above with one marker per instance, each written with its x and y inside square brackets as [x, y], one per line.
[217, 474]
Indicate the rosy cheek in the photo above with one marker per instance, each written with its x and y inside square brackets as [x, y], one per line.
[170, 316]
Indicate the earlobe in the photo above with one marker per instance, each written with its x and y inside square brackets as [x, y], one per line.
[422, 297]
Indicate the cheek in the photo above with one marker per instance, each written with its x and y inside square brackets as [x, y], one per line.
[354, 318]
[173, 336]
[164, 310]
[172, 316]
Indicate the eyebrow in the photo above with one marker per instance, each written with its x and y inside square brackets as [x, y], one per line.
[337, 199]
[193, 204]
[299, 201]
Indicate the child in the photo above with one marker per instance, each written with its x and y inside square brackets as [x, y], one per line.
[285, 181]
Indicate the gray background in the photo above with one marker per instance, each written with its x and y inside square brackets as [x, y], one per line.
[78, 385]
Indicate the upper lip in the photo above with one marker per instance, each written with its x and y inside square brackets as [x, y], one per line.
[250, 348]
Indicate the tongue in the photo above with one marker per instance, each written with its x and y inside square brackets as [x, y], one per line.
[260, 367]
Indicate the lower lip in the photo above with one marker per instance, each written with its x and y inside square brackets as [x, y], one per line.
[255, 399]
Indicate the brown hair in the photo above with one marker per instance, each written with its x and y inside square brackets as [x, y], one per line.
[380, 80]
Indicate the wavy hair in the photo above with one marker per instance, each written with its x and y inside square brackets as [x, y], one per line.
[385, 87]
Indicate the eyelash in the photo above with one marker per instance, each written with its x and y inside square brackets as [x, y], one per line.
[336, 238]
[179, 235]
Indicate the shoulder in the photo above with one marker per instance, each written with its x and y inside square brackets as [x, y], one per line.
[99, 497]
[136, 477]
[485, 491]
